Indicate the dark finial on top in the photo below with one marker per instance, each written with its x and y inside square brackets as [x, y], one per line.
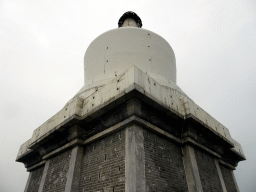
[130, 14]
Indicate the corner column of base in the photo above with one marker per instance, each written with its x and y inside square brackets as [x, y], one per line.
[28, 181]
[44, 176]
[220, 176]
[134, 160]
[74, 169]
[191, 169]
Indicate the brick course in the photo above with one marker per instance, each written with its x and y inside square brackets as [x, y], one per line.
[35, 180]
[103, 165]
[164, 170]
[56, 176]
[208, 172]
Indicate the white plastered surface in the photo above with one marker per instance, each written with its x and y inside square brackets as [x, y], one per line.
[116, 50]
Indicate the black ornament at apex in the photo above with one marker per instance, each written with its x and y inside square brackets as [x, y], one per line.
[130, 14]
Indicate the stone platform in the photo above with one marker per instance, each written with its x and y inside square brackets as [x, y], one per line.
[132, 134]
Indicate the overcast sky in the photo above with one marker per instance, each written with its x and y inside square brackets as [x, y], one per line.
[42, 46]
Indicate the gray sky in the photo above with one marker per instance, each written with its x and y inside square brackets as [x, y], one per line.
[42, 45]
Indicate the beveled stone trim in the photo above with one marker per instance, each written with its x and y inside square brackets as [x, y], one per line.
[36, 166]
[63, 148]
[125, 123]
[193, 142]
[226, 164]
[157, 130]
[110, 130]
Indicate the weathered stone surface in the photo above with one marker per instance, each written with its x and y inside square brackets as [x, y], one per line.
[191, 169]
[134, 159]
[133, 98]
[168, 100]
[148, 158]
[73, 174]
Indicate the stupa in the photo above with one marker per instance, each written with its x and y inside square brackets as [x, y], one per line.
[130, 127]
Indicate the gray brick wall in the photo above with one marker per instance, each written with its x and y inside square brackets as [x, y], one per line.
[228, 179]
[56, 176]
[35, 180]
[208, 172]
[103, 165]
[164, 170]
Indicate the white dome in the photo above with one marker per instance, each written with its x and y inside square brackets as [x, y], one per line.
[116, 50]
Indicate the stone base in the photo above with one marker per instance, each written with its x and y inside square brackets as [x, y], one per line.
[133, 155]
[131, 135]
